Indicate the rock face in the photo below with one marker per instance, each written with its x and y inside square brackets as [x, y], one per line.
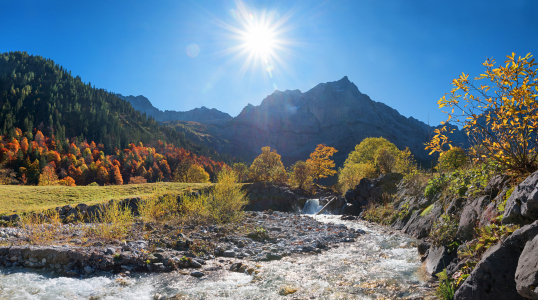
[370, 190]
[470, 216]
[494, 276]
[200, 115]
[334, 113]
[438, 259]
[522, 206]
[527, 270]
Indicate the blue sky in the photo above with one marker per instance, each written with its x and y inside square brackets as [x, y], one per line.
[402, 53]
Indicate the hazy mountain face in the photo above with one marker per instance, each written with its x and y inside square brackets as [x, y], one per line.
[334, 113]
[200, 115]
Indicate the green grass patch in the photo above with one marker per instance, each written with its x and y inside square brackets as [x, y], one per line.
[426, 211]
[22, 198]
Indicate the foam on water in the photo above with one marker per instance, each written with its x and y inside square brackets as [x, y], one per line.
[377, 265]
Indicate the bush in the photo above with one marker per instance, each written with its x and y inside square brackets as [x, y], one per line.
[112, 221]
[158, 208]
[351, 175]
[223, 205]
[384, 214]
[446, 287]
[452, 159]
[444, 231]
[435, 186]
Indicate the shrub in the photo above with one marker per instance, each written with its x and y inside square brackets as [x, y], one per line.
[137, 180]
[351, 175]
[158, 207]
[435, 185]
[452, 159]
[223, 205]
[93, 184]
[112, 221]
[384, 214]
[500, 115]
[444, 230]
[446, 287]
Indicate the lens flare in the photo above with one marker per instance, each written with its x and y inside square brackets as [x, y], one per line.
[259, 39]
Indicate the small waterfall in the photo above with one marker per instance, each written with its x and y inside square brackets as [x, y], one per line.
[311, 207]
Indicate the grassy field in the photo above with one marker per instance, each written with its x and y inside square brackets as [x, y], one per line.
[18, 198]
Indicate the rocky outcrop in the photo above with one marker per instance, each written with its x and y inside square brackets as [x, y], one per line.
[370, 190]
[264, 196]
[470, 216]
[522, 206]
[494, 276]
[199, 115]
[438, 259]
[527, 270]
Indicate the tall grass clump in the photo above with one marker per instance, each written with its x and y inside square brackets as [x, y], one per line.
[224, 204]
[158, 207]
[43, 227]
[112, 221]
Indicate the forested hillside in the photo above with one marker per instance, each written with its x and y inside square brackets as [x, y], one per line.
[47, 115]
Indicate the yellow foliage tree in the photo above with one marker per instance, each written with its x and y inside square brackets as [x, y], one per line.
[268, 167]
[351, 175]
[500, 116]
[301, 174]
[196, 173]
[321, 165]
[48, 177]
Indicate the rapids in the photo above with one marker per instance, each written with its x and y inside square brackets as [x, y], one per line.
[381, 264]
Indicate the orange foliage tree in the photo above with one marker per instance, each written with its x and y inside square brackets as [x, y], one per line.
[320, 163]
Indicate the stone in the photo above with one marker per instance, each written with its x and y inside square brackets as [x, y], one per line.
[438, 259]
[469, 218]
[527, 271]
[423, 247]
[197, 274]
[194, 264]
[229, 253]
[493, 278]
[274, 256]
[522, 206]
[110, 251]
[88, 270]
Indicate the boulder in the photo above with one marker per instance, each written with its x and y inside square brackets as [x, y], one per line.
[420, 227]
[522, 206]
[527, 270]
[494, 276]
[469, 217]
[496, 185]
[438, 259]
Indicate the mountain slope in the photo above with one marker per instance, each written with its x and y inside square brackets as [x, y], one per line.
[334, 113]
[200, 115]
[37, 94]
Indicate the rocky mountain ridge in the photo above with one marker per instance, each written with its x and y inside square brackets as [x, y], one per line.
[200, 115]
[292, 122]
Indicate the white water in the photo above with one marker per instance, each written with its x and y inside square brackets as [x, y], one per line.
[377, 265]
[311, 207]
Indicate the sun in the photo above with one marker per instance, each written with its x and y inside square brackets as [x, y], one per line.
[260, 40]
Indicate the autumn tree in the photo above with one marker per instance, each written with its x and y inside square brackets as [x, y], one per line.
[320, 163]
[268, 167]
[301, 174]
[351, 174]
[117, 175]
[196, 173]
[48, 176]
[499, 112]
[452, 159]
[241, 170]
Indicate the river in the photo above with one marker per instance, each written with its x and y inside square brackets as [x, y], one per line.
[381, 264]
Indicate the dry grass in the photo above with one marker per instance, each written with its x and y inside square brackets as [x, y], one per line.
[42, 228]
[113, 221]
[37, 198]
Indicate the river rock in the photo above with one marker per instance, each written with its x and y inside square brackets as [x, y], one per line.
[494, 276]
[527, 270]
[438, 259]
[197, 274]
[229, 253]
[469, 218]
[522, 206]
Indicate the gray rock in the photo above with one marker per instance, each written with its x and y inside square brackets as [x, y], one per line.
[197, 274]
[423, 247]
[494, 276]
[194, 264]
[527, 270]
[229, 253]
[522, 206]
[469, 217]
[88, 270]
[438, 259]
